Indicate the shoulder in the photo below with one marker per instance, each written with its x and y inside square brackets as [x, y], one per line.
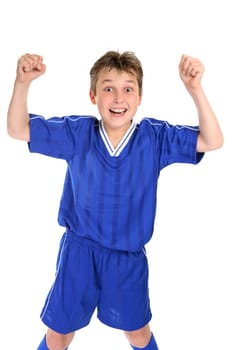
[68, 123]
[65, 119]
[163, 124]
[153, 124]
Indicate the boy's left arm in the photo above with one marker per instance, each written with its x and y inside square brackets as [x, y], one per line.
[210, 136]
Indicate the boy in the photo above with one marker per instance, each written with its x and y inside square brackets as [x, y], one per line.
[108, 203]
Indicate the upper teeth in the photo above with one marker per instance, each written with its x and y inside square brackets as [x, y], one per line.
[118, 110]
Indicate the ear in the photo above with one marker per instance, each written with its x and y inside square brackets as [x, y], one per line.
[92, 97]
[140, 99]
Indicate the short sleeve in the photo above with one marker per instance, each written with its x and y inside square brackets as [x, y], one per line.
[174, 143]
[58, 137]
[179, 145]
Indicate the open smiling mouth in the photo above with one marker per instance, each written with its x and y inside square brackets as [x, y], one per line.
[118, 111]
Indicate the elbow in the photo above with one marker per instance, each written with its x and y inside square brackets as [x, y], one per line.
[18, 134]
[12, 132]
[219, 142]
[206, 146]
[216, 145]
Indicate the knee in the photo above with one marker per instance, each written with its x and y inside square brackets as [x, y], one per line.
[139, 338]
[58, 341]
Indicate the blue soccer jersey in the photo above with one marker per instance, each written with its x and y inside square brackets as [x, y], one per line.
[109, 195]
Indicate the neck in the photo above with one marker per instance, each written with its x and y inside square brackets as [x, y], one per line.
[117, 134]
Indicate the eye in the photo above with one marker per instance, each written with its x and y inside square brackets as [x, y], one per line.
[108, 88]
[129, 89]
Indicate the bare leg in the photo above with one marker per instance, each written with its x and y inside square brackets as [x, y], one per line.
[58, 341]
[139, 338]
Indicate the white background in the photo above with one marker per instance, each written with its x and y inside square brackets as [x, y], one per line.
[190, 254]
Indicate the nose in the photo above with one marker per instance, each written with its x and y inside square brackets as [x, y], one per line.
[118, 98]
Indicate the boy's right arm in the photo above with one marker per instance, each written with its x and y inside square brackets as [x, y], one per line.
[29, 68]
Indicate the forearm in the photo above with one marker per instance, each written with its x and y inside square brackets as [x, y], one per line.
[17, 117]
[210, 136]
[29, 68]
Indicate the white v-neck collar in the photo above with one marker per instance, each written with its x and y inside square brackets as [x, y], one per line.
[115, 152]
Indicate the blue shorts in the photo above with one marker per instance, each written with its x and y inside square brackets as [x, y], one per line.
[88, 277]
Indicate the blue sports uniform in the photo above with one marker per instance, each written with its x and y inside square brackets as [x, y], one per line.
[108, 208]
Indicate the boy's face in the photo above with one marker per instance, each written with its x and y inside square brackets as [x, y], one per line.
[117, 98]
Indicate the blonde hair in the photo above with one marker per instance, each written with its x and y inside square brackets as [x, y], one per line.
[124, 62]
